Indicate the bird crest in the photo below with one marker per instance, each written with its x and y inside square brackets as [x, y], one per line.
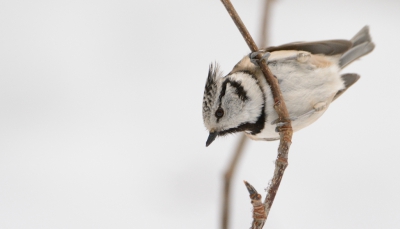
[210, 89]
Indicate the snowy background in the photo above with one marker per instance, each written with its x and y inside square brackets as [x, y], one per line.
[101, 125]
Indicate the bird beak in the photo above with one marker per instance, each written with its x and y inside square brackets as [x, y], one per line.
[211, 138]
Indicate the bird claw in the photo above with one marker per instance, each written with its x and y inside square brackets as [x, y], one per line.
[279, 124]
[255, 61]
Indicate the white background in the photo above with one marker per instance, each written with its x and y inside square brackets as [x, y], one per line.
[101, 125]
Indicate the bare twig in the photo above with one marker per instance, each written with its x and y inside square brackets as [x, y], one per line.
[264, 28]
[264, 41]
[279, 105]
[227, 181]
[259, 214]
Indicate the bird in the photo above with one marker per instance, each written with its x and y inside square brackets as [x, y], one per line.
[309, 78]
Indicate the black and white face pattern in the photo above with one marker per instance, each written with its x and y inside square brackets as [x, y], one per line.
[232, 104]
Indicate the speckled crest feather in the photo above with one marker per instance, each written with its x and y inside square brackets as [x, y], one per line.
[210, 90]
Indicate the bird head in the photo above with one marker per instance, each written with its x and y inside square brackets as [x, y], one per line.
[233, 103]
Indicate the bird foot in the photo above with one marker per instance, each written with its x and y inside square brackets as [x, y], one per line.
[255, 61]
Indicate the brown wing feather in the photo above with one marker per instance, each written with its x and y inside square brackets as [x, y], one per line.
[329, 48]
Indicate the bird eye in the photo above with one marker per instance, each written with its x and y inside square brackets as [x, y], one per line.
[219, 113]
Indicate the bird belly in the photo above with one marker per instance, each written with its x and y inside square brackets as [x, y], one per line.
[304, 87]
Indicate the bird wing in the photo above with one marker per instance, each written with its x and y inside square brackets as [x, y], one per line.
[329, 47]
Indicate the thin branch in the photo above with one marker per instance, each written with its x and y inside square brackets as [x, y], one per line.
[228, 175]
[265, 24]
[286, 131]
[228, 178]
[259, 214]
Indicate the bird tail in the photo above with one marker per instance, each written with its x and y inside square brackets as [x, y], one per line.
[362, 45]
